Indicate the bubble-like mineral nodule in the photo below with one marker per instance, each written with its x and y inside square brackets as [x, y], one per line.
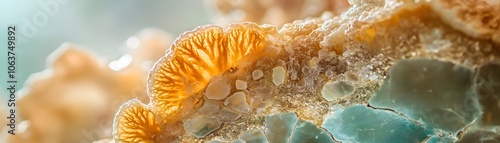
[336, 89]
[238, 102]
[279, 74]
[217, 90]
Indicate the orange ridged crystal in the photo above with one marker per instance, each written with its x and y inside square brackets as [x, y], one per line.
[136, 123]
[195, 58]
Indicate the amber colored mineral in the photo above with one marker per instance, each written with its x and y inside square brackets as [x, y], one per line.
[194, 58]
[137, 123]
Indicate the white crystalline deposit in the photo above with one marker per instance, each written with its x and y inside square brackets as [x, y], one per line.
[238, 102]
[201, 126]
[241, 85]
[257, 74]
[217, 90]
[279, 74]
[337, 89]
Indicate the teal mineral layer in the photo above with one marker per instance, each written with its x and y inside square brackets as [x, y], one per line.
[435, 92]
[307, 132]
[279, 127]
[360, 124]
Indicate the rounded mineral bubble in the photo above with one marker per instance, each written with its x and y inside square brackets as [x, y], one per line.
[337, 89]
[217, 90]
[257, 74]
[238, 102]
[279, 74]
[241, 85]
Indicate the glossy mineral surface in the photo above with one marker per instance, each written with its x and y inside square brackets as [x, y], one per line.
[382, 71]
[358, 123]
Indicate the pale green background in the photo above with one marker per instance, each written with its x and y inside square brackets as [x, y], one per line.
[101, 25]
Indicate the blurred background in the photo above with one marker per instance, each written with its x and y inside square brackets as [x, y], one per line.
[101, 26]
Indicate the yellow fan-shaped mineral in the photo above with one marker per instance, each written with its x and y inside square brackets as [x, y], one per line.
[198, 56]
[136, 123]
[194, 58]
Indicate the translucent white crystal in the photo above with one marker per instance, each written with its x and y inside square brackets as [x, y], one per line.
[238, 102]
[217, 90]
[201, 126]
[241, 85]
[279, 75]
[257, 74]
[337, 89]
